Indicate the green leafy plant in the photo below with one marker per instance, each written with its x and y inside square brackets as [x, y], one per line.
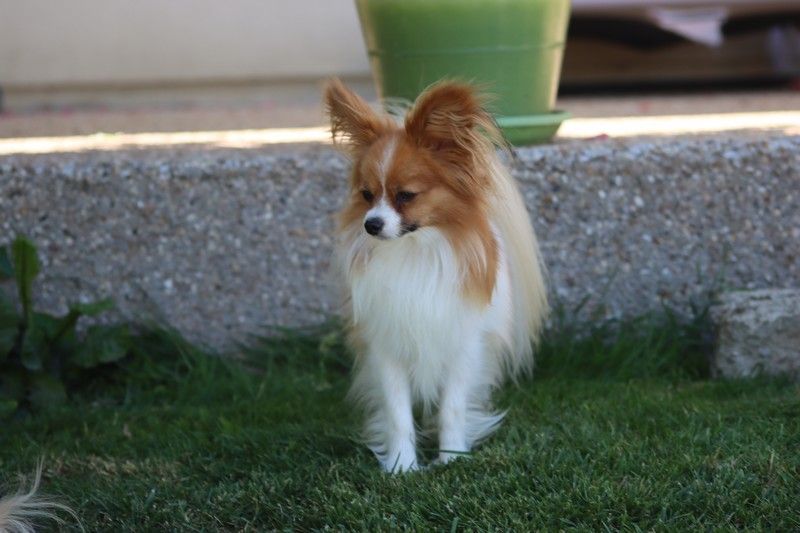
[40, 353]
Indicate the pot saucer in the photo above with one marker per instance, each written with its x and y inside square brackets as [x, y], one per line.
[531, 129]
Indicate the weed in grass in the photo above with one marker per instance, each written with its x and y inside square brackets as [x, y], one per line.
[42, 355]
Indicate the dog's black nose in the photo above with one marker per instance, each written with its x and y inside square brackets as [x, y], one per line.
[373, 225]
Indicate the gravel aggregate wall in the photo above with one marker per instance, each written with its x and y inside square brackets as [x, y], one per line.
[222, 242]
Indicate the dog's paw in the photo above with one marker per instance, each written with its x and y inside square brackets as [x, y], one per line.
[450, 456]
[400, 463]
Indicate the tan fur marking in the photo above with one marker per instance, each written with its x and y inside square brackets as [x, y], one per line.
[479, 257]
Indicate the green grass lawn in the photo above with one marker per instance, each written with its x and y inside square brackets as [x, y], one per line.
[617, 430]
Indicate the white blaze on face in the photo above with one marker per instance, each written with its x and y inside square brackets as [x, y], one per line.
[383, 210]
[386, 160]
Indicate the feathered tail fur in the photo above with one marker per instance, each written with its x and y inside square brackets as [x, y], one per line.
[527, 272]
[20, 511]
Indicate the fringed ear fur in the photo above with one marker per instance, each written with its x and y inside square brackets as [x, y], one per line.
[449, 118]
[354, 125]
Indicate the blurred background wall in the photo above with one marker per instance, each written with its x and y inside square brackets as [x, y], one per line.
[158, 43]
[145, 42]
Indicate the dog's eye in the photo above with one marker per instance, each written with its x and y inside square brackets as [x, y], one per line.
[368, 196]
[403, 197]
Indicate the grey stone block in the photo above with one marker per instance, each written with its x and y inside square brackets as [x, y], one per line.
[221, 242]
[758, 334]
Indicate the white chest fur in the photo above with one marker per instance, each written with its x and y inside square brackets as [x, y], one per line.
[407, 305]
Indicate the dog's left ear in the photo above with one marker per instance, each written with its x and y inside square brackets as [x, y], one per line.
[450, 119]
[450, 115]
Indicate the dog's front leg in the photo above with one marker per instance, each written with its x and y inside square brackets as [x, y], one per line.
[393, 422]
[460, 387]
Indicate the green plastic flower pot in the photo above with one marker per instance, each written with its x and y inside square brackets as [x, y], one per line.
[512, 48]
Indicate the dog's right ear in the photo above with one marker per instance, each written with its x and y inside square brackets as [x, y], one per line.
[353, 122]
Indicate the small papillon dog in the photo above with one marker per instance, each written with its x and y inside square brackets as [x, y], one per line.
[445, 292]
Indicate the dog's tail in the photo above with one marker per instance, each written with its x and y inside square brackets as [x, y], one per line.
[527, 270]
[19, 512]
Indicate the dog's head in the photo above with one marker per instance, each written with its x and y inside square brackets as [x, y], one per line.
[432, 170]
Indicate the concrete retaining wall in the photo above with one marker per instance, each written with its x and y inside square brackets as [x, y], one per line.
[222, 242]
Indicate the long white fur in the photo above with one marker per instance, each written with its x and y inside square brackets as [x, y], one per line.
[19, 511]
[526, 268]
[424, 342]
